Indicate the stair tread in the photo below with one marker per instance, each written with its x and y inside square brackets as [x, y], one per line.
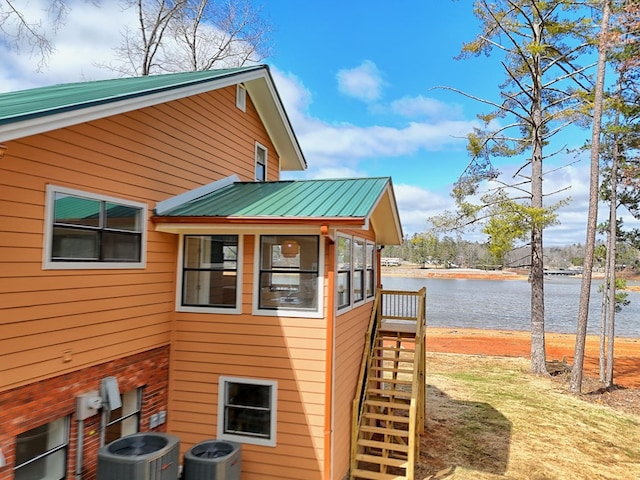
[386, 418]
[391, 462]
[392, 380]
[385, 431]
[366, 474]
[390, 393]
[387, 404]
[395, 447]
[393, 369]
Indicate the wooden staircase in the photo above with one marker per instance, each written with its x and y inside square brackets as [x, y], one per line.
[388, 412]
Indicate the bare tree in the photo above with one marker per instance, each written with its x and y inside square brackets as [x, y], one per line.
[228, 33]
[22, 32]
[189, 35]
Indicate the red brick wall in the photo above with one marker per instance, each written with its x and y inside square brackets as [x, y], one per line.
[27, 407]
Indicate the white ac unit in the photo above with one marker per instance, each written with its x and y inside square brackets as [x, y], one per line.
[140, 456]
[213, 460]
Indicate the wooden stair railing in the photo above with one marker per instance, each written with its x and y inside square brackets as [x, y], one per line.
[388, 411]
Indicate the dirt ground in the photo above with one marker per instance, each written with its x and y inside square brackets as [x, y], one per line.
[625, 396]
[559, 347]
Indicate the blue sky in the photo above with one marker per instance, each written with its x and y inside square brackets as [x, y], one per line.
[359, 81]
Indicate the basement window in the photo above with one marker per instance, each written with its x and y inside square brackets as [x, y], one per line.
[126, 419]
[41, 453]
[247, 410]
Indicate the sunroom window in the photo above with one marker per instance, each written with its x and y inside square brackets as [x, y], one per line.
[289, 272]
[358, 269]
[210, 271]
[370, 279]
[355, 268]
[344, 272]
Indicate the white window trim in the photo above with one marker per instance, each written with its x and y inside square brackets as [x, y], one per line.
[64, 446]
[204, 309]
[255, 161]
[354, 302]
[273, 406]
[291, 313]
[364, 300]
[375, 271]
[48, 264]
[241, 97]
[349, 306]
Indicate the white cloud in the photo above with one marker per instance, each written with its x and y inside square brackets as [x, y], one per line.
[86, 39]
[421, 106]
[332, 150]
[363, 82]
[416, 205]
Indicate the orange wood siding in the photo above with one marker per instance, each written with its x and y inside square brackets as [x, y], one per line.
[350, 331]
[58, 321]
[350, 328]
[291, 351]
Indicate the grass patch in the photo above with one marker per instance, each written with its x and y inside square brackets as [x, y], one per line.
[487, 418]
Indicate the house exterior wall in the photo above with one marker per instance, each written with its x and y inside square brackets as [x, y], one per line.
[349, 333]
[28, 406]
[291, 351]
[59, 325]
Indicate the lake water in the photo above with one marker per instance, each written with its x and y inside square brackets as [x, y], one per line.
[505, 304]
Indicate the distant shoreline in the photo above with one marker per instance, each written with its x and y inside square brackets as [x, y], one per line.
[414, 271]
[454, 273]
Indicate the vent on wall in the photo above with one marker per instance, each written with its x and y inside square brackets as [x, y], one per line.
[140, 456]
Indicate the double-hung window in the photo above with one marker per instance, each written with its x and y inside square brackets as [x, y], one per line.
[126, 419]
[41, 453]
[241, 97]
[93, 231]
[210, 271]
[261, 163]
[289, 272]
[355, 268]
[247, 410]
[344, 272]
[358, 269]
[370, 279]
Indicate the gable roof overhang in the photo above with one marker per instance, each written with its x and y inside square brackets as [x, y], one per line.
[322, 206]
[43, 109]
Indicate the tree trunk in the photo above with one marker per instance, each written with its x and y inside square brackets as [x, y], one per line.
[603, 325]
[538, 348]
[611, 258]
[575, 384]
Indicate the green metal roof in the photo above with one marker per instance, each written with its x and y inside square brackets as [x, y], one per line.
[36, 102]
[339, 198]
[39, 110]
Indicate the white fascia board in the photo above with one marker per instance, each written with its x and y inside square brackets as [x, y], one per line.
[185, 197]
[45, 123]
[266, 99]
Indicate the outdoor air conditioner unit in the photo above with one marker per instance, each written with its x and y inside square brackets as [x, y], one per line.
[140, 456]
[213, 460]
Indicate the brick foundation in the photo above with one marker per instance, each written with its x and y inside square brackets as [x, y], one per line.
[27, 407]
